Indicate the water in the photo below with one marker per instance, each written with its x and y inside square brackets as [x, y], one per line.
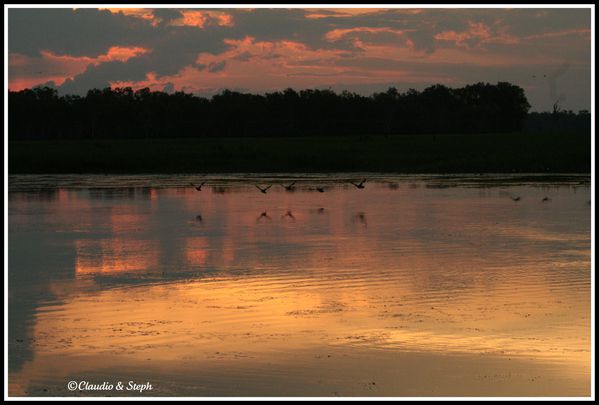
[413, 286]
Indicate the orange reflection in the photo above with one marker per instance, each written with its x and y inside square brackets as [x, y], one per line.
[447, 272]
[195, 251]
[113, 256]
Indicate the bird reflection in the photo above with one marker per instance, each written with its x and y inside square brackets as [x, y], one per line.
[262, 216]
[219, 190]
[289, 215]
[361, 218]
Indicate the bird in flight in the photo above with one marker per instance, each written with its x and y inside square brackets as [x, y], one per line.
[289, 187]
[263, 190]
[263, 215]
[199, 188]
[359, 185]
[516, 198]
[288, 214]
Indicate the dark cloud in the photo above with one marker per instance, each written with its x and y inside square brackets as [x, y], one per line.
[217, 66]
[82, 32]
[166, 15]
[172, 47]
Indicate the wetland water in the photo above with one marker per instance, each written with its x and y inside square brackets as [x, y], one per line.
[412, 286]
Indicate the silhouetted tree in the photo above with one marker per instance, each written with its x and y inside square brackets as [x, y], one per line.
[40, 113]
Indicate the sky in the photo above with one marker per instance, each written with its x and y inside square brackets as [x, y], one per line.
[203, 51]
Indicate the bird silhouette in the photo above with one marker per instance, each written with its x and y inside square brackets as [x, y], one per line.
[290, 187]
[359, 185]
[546, 199]
[516, 198]
[263, 190]
[199, 218]
[288, 214]
[263, 215]
[320, 189]
[199, 188]
[360, 217]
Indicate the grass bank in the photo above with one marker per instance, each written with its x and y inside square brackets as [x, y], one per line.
[472, 153]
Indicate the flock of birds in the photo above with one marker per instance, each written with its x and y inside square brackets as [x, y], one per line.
[360, 185]
[360, 217]
[289, 187]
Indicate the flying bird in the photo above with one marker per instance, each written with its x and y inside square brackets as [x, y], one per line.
[199, 188]
[290, 187]
[288, 214]
[263, 215]
[263, 190]
[516, 198]
[359, 185]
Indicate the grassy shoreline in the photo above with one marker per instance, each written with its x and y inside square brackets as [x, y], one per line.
[472, 153]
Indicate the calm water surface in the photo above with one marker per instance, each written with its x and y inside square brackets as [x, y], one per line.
[412, 286]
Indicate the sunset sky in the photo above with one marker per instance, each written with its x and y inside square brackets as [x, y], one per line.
[546, 51]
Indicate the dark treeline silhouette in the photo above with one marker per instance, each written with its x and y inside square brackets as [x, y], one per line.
[558, 121]
[40, 113]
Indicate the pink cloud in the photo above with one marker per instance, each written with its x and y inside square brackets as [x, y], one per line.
[26, 72]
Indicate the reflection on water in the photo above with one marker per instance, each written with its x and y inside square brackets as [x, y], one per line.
[417, 286]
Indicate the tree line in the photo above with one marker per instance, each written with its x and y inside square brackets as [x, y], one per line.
[41, 113]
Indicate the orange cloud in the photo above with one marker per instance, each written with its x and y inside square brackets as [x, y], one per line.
[339, 33]
[203, 18]
[142, 13]
[27, 72]
[478, 33]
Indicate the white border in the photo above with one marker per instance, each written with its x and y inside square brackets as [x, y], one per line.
[290, 6]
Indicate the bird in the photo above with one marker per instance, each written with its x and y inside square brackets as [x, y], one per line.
[263, 215]
[359, 185]
[320, 189]
[360, 217]
[199, 188]
[263, 190]
[546, 199]
[199, 218]
[289, 187]
[288, 214]
[515, 198]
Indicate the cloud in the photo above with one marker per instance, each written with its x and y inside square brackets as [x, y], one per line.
[262, 49]
[217, 66]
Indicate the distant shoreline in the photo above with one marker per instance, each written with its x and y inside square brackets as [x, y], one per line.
[401, 154]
